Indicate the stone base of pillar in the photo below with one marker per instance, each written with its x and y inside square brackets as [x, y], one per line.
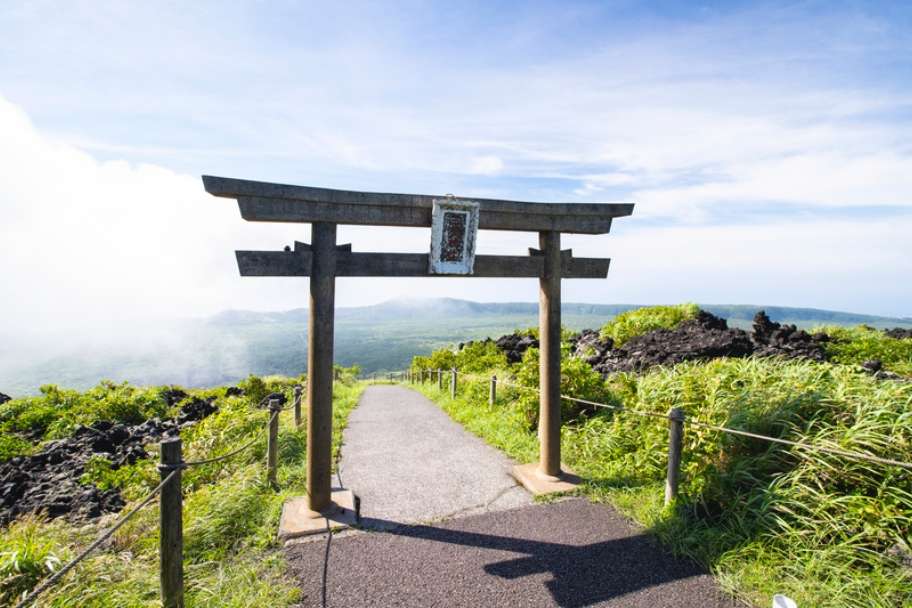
[538, 484]
[298, 520]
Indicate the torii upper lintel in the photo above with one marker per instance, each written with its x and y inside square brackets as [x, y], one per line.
[267, 202]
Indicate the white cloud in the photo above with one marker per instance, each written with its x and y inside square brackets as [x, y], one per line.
[486, 165]
[88, 242]
[852, 265]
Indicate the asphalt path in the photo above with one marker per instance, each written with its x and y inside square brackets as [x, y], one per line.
[405, 458]
[409, 462]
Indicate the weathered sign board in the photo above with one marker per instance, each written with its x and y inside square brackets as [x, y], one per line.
[454, 222]
[454, 225]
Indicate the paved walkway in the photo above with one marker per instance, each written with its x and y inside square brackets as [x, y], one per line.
[410, 463]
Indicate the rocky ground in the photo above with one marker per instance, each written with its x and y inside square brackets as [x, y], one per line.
[49, 480]
[899, 333]
[515, 345]
[704, 337]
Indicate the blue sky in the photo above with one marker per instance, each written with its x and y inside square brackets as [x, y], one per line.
[768, 146]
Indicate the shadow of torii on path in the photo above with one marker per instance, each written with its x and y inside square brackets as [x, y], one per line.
[581, 574]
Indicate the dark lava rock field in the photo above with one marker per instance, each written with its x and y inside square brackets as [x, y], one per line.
[515, 345]
[48, 481]
[899, 333]
[704, 337]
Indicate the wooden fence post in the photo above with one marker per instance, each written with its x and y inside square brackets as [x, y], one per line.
[439, 379]
[171, 523]
[453, 381]
[493, 396]
[297, 405]
[272, 446]
[675, 443]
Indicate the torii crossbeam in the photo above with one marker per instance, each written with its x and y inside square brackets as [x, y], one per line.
[323, 260]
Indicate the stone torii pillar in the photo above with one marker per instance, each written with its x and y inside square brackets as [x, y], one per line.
[453, 220]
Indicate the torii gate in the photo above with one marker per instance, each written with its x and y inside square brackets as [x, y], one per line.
[453, 221]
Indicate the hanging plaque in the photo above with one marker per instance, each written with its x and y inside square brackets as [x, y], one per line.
[454, 225]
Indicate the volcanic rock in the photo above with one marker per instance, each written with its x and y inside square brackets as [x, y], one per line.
[515, 345]
[196, 410]
[875, 367]
[589, 345]
[899, 333]
[234, 391]
[48, 481]
[173, 396]
[771, 339]
[4, 398]
[703, 337]
[280, 397]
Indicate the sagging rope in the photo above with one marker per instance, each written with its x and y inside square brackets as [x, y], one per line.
[172, 470]
[806, 446]
[798, 444]
[249, 444]
[98, 542]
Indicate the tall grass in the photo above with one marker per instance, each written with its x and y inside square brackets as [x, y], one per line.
[855, 345]
[231, 557]
[764, 517]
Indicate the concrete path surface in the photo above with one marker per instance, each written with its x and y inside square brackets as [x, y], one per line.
[409, 462]
[491, 547]
[571, 553]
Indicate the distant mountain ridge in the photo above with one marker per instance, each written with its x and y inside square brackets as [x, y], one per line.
[228, 346]
[398, 308]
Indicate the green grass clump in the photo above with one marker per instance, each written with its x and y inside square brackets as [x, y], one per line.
[12, 446]
[27, 555]
[855, 345]
[56, 412]
[578, 379]
[642, 320]
[766, 518]
[473, 357]
[231, 556]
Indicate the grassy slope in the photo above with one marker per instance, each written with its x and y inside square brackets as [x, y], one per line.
[230, 521]
[763, 518]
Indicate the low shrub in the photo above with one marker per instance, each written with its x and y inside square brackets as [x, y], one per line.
[641, 320]
[578, 379]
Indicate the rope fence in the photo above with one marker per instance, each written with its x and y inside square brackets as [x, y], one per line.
[169, 491]
[675, 417]
[47, 584]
